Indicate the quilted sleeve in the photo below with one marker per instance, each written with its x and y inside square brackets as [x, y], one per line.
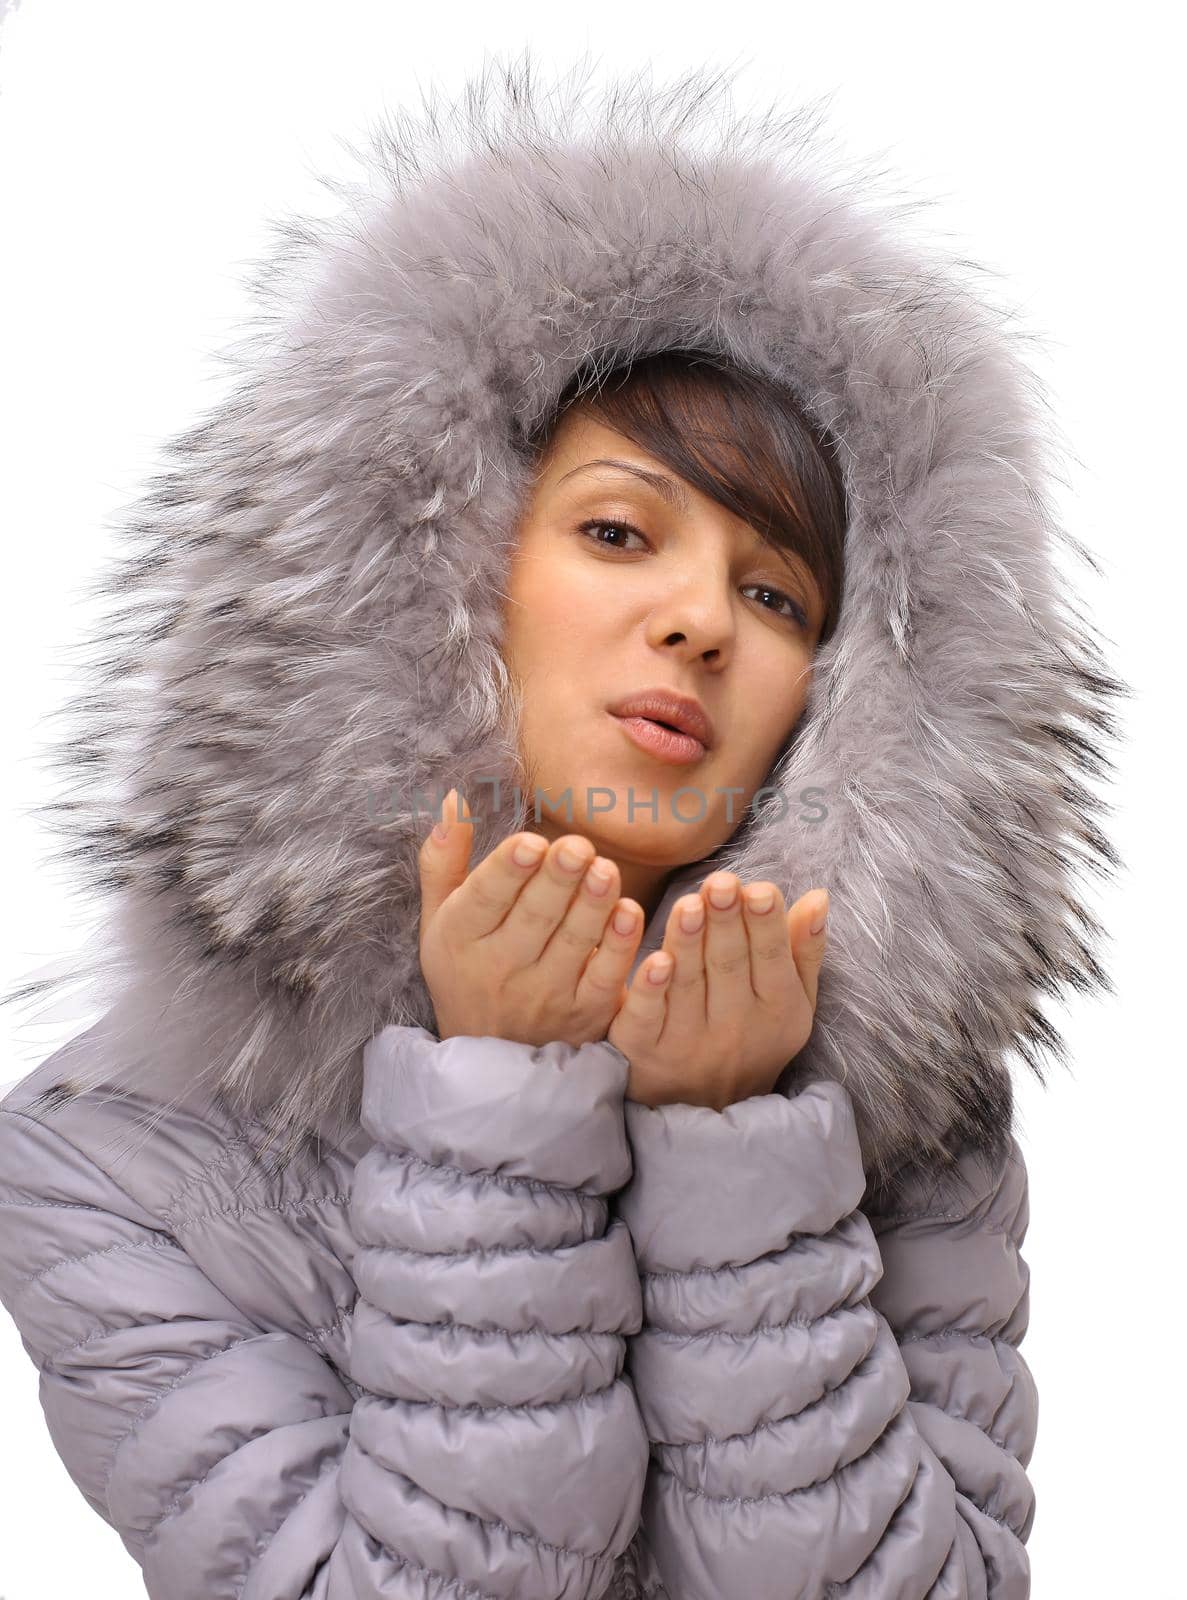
[836, 1404]
[487, 1342]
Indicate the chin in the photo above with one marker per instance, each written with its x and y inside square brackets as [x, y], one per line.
[666, 843]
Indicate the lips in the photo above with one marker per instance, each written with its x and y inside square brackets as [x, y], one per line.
[666, 708]
[661, 741]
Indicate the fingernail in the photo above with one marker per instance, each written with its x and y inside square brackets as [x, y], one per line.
[623, 919]
[760, 900]
[722, 892]
[660, 971]
[527, 851]
[441, 829]
[820, 918]
[692, 915]
[597, 879]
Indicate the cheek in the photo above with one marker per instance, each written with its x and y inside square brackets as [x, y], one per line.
[764, 721]
[567, 617]
[528, 616]
[554, 645]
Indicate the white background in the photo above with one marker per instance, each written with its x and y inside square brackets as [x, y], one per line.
[144, 149]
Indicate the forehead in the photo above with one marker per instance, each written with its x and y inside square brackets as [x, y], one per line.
[580, 438]
[588, 455]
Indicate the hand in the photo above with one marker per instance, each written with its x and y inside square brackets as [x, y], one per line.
[508, 950]
[735, 1002]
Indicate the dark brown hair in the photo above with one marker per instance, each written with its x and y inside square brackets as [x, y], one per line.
[736, 437]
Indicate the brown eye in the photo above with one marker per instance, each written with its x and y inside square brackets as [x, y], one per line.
[797, 613]
[596, 523]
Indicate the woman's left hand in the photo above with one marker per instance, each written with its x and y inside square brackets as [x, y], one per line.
[738, 1002]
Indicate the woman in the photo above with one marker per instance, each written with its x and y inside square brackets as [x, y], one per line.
[703, 457]
[392, 1233]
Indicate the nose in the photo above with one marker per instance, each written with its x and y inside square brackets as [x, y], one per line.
[694, 612]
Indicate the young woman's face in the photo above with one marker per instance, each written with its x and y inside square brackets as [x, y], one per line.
[677, 593]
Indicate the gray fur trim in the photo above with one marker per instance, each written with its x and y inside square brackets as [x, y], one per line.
[306, 610]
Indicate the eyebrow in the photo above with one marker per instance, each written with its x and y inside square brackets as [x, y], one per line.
[667, 487]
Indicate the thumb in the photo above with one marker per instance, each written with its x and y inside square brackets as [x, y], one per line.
[807, 948]
[444, 858]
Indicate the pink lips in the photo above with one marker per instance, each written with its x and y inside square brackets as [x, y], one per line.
[665, 744]
[665, 723]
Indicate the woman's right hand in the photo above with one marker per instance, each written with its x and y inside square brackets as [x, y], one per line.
[508, 950]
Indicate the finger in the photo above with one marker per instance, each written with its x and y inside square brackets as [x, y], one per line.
[641, 1019]
[604, 978]
[491, 890]
[808, 947]
[543, 901]
[727, 949]
[771, 963]
[684, 940]
[582, 925]
[583, 928]
[444, 856]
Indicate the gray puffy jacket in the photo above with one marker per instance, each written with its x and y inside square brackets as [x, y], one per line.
[326, 1309]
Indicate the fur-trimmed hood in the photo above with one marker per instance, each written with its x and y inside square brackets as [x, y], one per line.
[302, 650]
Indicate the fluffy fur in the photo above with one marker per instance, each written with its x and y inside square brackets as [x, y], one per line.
[305, 618]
